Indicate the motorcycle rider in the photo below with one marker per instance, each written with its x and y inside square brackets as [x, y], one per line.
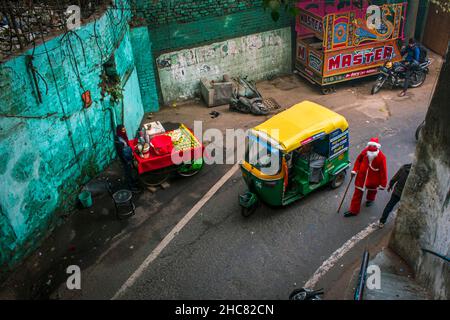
[411, 62]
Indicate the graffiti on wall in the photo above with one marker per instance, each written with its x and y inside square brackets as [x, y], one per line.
[254, 56]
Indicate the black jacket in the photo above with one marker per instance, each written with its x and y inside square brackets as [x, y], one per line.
[399, 179]
[123, 150]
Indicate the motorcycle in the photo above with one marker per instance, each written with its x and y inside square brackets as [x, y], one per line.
[394, 75]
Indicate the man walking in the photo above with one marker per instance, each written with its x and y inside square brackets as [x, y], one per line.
[397, 182]
[371, 175]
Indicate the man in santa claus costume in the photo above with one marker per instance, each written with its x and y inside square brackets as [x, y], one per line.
[371, 175]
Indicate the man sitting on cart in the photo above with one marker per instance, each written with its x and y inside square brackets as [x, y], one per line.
[126, 156]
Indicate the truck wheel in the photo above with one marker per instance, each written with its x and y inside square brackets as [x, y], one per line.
[328, 89]
[339, 179]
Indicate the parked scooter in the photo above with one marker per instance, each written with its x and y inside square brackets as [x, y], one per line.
[394, 75]
[247, 99]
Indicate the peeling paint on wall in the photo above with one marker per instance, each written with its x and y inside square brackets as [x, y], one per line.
[258, 56]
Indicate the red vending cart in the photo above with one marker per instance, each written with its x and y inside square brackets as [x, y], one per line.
[335, 43]
[153, 169]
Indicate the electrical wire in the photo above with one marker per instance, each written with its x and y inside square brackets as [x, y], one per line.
[62, 106]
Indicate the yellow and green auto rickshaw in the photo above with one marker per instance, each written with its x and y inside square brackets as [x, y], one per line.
[292, 154]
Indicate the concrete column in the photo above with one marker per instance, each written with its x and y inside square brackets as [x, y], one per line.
[411, 18]
[423, 217]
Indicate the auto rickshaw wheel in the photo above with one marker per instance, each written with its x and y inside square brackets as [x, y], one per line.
[247, 212]
[190, 169]
[339, 179]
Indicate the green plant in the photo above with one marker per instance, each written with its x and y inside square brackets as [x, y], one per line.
[112, 86]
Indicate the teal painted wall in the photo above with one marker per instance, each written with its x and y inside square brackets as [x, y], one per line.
[143, 57]
[133, 110]
[49, 150]
[159, 12]
[175, 35]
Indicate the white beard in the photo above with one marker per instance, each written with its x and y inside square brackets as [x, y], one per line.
[372, 155]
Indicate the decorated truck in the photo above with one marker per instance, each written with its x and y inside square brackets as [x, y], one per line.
[342, 40]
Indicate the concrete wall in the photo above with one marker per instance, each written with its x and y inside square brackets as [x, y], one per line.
[423, 219]
[175, 25]
[49, 149]
[257, 56]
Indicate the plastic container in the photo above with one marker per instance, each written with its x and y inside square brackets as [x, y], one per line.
[85, 198]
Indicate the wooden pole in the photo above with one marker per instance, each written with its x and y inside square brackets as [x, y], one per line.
[345, 193]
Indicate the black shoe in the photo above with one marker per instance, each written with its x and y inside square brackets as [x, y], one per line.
[369, 203]
[349, 214]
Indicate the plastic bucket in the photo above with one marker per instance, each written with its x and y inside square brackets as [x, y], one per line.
[85, 198]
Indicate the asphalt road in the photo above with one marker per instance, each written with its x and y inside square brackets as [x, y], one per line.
[221, 255]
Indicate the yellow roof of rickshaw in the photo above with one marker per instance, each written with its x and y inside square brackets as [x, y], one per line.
[301, 122]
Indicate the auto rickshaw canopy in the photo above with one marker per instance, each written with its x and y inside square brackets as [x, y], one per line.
[300, 124]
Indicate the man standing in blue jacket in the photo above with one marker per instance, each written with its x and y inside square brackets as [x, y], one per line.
[411, 62]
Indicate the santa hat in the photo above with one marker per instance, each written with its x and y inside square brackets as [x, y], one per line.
[374, 144]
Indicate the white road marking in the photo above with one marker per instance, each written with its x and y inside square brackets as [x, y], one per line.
[171, 235]
[339, 253]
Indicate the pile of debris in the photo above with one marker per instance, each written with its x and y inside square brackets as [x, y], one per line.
[247, 99]
[241, 95]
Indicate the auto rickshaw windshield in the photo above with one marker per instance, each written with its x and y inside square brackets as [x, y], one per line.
[263, 156]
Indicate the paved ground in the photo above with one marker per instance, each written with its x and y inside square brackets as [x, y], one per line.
[219, 254]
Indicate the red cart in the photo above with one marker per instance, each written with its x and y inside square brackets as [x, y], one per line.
[186, 158]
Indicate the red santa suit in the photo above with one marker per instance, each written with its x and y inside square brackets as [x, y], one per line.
[371, 174]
